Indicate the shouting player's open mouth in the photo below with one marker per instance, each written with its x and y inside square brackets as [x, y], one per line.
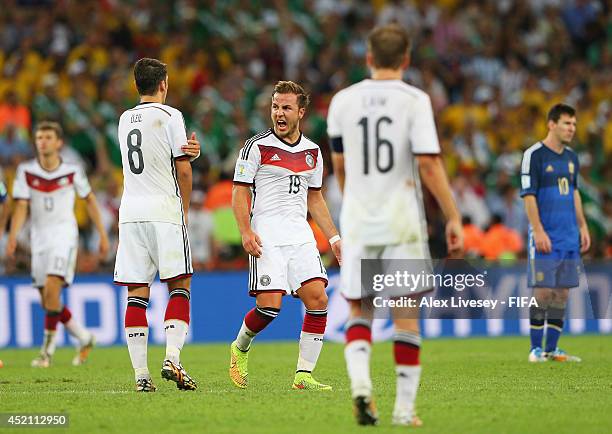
[281, 125]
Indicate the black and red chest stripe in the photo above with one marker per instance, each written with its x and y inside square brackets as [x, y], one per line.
[301, 161]
[44, 185]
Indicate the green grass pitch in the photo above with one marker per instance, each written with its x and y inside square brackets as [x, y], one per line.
[468, 386]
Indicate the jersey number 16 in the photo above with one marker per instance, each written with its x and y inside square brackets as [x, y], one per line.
[381, 144]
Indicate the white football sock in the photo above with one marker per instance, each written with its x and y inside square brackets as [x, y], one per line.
[244, 338]
[49, 344]
[176, 332]
[407, 385]
[78, 331]
[357, 355]
[137, 339]
[310, 349]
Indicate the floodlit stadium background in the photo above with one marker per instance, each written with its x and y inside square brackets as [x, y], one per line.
[492, 69]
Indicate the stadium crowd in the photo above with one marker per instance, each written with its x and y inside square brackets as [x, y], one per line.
[492, 69]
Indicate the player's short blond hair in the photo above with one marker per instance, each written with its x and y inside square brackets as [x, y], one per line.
[283, 87]
[50, 126]
[388, 45]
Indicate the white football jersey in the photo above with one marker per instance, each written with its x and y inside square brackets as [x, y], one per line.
[382, 124]
[280, 174]
[51, 196]
[150, 138]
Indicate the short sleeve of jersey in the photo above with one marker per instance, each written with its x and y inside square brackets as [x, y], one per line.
[315, 182]
[20, 185]
[576, 170]
[81, 183]
[333, 123]
[177, 133]
[530, 173]
[423, 134]
[247, 165]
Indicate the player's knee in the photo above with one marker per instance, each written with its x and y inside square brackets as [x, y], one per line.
[543, 298]
[359, 311]
[318, 300]
[407, 325]
[559, 298]
[558, 303]
[51, 301]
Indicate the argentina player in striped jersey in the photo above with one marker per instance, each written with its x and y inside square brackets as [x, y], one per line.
[280, 173]
[558, 231]
[156, 157]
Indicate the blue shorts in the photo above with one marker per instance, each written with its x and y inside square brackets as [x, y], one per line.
[558, 269]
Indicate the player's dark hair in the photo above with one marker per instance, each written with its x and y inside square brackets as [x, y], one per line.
[388, 45]
[50, 126]
[303, 99]
[148, 73]
[560, 109]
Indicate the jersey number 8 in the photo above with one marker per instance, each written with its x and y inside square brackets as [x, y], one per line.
[135, 149]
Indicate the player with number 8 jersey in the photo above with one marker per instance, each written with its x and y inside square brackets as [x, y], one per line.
[153, 238]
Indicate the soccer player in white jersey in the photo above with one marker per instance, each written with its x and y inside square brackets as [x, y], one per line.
[279, 172]
[47, 185]
[379, 128]
[156, 157]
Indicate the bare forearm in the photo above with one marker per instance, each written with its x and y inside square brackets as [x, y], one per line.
[4, 214]
[579, 210]
[240, 205]
[533, 215]
[434, 177]
[320, 213]
[185, 182]
[94, 214]
[338, 164]
[19, 217]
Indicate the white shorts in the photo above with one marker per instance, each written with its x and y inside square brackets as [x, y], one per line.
[148, 247]
[58, 260]
[352, 254]
[285, 269]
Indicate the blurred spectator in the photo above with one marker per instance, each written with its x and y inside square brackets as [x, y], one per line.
[15, 114]
[500, 241]
[491, 68]
[200, 230]
[469, 201]
[12, 148]
[510, 208]
[472, 238]
[225, 233]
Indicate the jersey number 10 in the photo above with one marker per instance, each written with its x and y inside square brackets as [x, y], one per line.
[563, 186]
[135, 149]
[380, 145]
